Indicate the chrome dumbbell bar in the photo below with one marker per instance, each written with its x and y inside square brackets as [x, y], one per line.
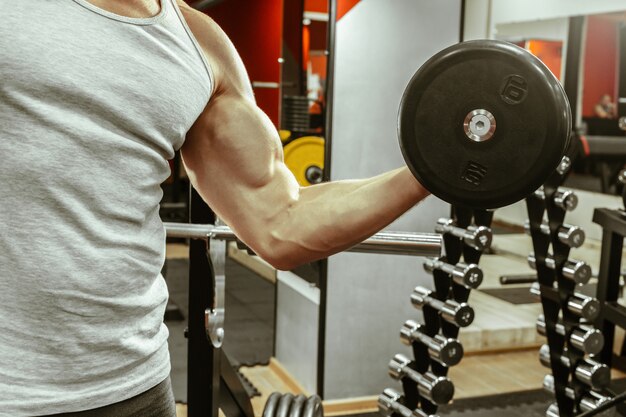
[468, 275]
[587, 371]
[436, 389]
[478, 237]
[577, 271]
[563, 198]
[389, 403]
[583, 306]
[589, 401]
[572, 236]
[398, 243]
[584, 338]
[459, 314]
[446, 351]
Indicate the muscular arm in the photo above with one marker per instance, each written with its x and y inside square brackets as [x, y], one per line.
[234, 159]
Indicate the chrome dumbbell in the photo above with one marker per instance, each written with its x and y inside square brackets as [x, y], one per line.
[389, 403]
[478, 237]
[563, 198]
[460, 314]
[553, 410]
[583, 306]
[468, 275]
[436, 389]
[588, 401]
[587, 371]
[577, 271]
[572, 236]
[584, 338]
[446, 351]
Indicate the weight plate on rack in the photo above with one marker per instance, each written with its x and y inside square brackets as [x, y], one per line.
[305, 159]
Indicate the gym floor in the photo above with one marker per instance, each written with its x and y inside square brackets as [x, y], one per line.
[250, 335]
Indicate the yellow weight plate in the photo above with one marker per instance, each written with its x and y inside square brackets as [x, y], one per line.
[305, 158]
[285, 135]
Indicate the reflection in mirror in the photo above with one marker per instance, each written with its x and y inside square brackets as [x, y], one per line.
[599, 146]
[304, 61]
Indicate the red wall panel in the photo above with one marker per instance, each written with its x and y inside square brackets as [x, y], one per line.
[600, 61]
[255, 27]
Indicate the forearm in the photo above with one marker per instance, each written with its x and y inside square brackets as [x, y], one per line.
[331, 217]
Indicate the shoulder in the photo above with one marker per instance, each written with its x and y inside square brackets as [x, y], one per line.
[220, 52]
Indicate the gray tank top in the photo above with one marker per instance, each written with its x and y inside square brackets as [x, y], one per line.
[92, 106]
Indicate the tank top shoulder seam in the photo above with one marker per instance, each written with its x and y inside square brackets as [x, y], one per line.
[196, 44]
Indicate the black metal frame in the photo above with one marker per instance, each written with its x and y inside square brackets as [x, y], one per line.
[212, 383]
[445, 288]
[613, 223]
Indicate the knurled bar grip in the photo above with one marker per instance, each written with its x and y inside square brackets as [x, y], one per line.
[398, 243]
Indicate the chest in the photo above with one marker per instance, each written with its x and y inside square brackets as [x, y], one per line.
[142, 80]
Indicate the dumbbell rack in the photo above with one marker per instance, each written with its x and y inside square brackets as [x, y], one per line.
[445, 288]
[555, 298]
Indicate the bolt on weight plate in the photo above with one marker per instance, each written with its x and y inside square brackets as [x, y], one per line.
[483, 124]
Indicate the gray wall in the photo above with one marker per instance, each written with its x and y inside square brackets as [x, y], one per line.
[379, 46]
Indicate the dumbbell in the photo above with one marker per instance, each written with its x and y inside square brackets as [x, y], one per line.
[584, 338]
[572, 236]
[470, 276]
[459, 314]
[436, 389]
[587, 371]
[478, 237]
[563, 198]
[588, 401]
[389, 404]
[583, 306]
[577, 271]
[446, 351]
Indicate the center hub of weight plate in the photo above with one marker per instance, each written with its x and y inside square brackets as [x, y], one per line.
[479, 125]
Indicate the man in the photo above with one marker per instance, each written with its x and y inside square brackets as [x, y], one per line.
[605, 108]
[95, 96]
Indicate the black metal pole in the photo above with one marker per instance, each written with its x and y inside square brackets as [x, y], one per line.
[203, 360]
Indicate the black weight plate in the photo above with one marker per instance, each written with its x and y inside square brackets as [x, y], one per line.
[531, 113]
[297, 406]
[284, 405]
[272, 404]
[313, 407]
